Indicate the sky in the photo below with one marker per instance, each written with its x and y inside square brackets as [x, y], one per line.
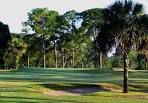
[14, 12]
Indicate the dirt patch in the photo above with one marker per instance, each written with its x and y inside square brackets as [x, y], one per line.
[79, 91]
[58, 92]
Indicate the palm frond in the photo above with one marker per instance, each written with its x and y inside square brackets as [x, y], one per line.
[138, 9]
[127, 6]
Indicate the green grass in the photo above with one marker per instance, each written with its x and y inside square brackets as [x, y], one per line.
[29, 85]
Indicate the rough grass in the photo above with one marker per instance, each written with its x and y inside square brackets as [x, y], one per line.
[30, 85]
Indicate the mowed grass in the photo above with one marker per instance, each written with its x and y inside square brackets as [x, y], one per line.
[31, 85]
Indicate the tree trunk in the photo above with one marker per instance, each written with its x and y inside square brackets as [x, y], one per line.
[55, 50]
[65, 62]
[82, 64]
[44, 61]
[17, 64]
[101, 61]
[63, 59]
[125, 82]
[63, 66]
[28, 61]
[44, 56]
[146, 64]
[49, 64]
[96, 63]
[73, 59]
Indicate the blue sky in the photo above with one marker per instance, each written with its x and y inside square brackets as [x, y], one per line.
[14, 12]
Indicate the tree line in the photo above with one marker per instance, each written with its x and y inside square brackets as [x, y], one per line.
[60, 41]
[71, 40]
[67, 40]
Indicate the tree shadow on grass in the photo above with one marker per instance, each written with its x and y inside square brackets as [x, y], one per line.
[63, 86]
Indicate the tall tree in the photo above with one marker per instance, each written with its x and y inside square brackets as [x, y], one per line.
[143, 51]
[32, 49]
[91, 22]
[71, 18]
[4, 39]
[43, 22]
[124, 25]
[16, 48]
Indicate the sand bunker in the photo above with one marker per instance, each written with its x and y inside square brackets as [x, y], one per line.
[78, 91]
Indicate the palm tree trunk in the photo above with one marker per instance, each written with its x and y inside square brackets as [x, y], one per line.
[125, 82]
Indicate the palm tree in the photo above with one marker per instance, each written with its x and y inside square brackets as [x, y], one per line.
[124, 26]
